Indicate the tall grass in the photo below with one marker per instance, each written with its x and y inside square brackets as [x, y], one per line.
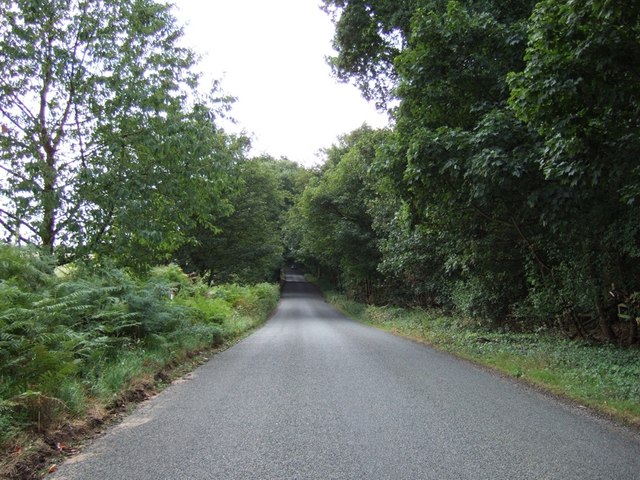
[73, 337]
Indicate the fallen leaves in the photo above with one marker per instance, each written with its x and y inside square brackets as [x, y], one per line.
[62, 448]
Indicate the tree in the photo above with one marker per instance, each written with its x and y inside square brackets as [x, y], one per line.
[460, 161]
[512, 171]
[580, 90]
[180, 177]
[101, 131]
[369, 35]
[334, 226]
[245, 246]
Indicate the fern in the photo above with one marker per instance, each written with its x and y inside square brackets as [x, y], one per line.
[28, 268]
[89, 332]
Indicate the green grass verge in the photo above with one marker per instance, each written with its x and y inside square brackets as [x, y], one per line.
[604, 378]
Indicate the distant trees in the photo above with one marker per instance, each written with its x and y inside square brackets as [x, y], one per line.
[509, 184]
[247, 245]
[332, 221]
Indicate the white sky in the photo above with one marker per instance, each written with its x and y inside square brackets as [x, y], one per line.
[270, 54]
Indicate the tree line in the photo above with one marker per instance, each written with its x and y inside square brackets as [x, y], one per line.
[508, 186]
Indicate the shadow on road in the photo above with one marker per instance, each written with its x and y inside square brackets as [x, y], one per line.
[296, 286]
[300, 289]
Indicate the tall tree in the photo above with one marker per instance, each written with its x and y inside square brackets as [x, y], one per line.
[461, 161]
[516, 144]
[100, 133]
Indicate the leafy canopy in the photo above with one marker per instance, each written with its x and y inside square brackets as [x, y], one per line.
[103, 132]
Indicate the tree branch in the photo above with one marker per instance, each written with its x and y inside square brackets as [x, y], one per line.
[14, 231]
[20, 176]
[22, 222]
[9, 116]
[532, 248]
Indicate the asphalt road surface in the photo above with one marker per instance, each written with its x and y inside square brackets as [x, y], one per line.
[314, 395]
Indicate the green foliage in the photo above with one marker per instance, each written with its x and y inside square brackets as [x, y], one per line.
[577, 90]
[114, 375]
[466, 165]
[95, 160]
[451, 186]
[8, 427]
[26, 268]
[209, 310]
[332, 221]
[369, 34]
[92, 332]
[454, 68]
[508, 187]
[246, 246]
[171, 274]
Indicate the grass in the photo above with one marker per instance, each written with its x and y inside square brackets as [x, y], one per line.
[604, 378]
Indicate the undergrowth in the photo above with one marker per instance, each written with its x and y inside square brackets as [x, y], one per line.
[606, 378]
[74, 338]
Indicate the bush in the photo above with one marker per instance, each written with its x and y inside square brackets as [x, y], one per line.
[488, 297]
[208, 310]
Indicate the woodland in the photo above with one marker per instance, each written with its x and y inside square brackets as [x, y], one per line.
[508, 187]
[136, 230]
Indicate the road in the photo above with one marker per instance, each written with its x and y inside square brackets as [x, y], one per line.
[314, 395]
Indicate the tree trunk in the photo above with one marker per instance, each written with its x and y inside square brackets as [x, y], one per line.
[48, 229]
[50, 200]
[633, 332]
[577, 324]
[603, 319]
[601, 315]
